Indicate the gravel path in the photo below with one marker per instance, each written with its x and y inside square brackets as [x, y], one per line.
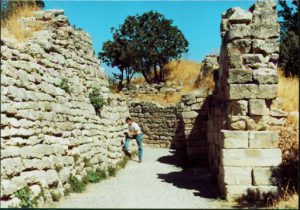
[157, 182]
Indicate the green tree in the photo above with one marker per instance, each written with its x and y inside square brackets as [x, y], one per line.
[9, 6]
[144, 43]
[289, 38]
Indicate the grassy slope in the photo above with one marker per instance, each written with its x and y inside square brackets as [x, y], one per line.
[180, 72]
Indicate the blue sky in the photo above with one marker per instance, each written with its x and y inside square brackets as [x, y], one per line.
[198, 20]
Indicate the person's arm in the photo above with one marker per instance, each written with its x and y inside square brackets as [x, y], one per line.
[135, 131]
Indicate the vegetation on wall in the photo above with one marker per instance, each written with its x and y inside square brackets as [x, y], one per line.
[9, 7]
[144, 44]
[96, 99]
[64, 84]
[25, 195]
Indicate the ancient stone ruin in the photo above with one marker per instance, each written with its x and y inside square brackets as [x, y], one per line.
[233, 126]
[49, 132]
[46, 133]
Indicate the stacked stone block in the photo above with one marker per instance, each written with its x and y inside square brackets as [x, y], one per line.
[162, 88]
[160, 124]
[175, 126]
[241, 148]
[194, 115]
[48, 134]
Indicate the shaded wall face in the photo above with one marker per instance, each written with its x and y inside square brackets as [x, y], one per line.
[181, 126]
[47, 133]
[242, 149]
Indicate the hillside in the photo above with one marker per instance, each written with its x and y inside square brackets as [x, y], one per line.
[183, 73]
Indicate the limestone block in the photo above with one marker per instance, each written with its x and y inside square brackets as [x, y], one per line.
[239, 107]
[13, 203]
[239, 76]
[31, 177]
[36, 163]
[235, 60]
[239, 31]
[257, 123]
[258, 107]
[262, 176]
[9, 132]
[241, 91]
[265, 76]
[17, 94]
[8, 187]
[274, 121]
[253, 58]
[239, 46]
[64, 174]
[235, 175]
[234, 139]
[237, 15]
[267, 91]
[36, 190]
[250, 157]
[51, 177]
[263, 139]
[265, 31]
[268, 46]
[233, 192]
[237, 122]
[189, 115]
[226, 134]
[11, 166]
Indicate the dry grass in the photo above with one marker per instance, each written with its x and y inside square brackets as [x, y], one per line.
[163, 99]
[288, 90]
[286, 201]
[13, 28]
[181, 72]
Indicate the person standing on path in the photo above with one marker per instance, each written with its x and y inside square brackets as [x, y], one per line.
[134, 133]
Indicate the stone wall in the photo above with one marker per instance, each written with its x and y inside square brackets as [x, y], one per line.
[243, 107]
[179, 126]
[168, 88]
[46, 133]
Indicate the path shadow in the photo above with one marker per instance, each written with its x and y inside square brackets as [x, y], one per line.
[191, 177]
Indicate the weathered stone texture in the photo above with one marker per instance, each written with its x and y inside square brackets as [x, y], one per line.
[243, 103]
[47, 133]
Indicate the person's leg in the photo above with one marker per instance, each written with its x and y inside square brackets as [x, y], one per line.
[126, 144]
[139, 143]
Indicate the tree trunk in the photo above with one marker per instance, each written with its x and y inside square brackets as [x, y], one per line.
[121, 78]
[145, 76]
[161, 75]
[156, 75]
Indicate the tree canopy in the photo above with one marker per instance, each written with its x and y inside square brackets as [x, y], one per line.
[289, 41]
[144, 43]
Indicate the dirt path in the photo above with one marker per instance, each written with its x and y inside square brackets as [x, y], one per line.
[156, 183]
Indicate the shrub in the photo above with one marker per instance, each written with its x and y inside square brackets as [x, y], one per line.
[25, 196]
[112, 171]
[101, 173]
[76, 157]
[93, 177]
[96, 99]
[67, 191]
[64, 84]
[55, 196]
[123, 162]
[76, 185]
